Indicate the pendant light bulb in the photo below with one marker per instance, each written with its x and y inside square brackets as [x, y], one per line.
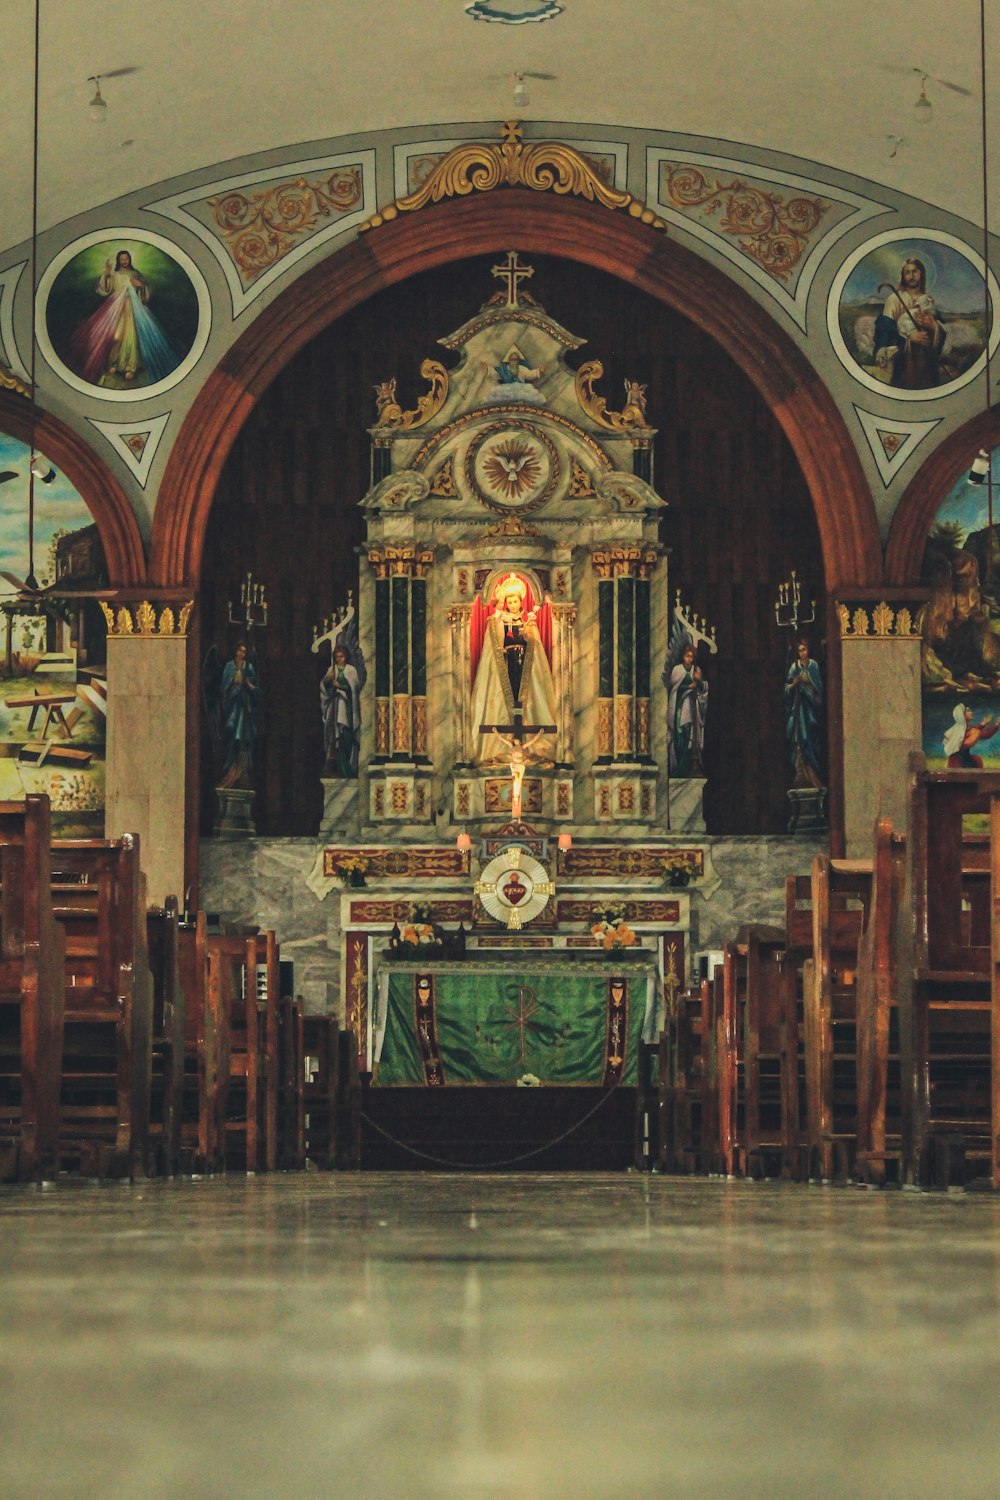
[923, 109]
[979, 472]
[521, 96]
[98, 106]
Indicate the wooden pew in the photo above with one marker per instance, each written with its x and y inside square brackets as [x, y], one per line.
[728, 992]
[876, 1015]
[31, 995]
[769, 1067]
[321, 1053]
[801, 970]
[948, 1017]
[244, 986]
[167, 1075]
[99, 898]
[291, 1086]
[840, 893]
[682, 1068]
[201, 1112]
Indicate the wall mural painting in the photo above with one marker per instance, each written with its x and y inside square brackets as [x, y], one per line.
[53, 678]
[960, 658]
[908, 314]
[124, 314]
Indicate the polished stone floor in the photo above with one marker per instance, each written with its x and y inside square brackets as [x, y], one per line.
[523, 1338]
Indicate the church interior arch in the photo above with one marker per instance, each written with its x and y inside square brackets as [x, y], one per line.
[740, 513]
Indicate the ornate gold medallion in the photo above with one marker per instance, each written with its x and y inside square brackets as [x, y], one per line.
[513, 466]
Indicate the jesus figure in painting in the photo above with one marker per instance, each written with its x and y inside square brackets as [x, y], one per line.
[122, 342]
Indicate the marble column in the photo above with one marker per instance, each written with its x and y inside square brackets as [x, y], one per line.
[146, 746]
[880, 671]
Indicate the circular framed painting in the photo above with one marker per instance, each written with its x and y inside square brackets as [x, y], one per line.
[123, 314]
[908, 314]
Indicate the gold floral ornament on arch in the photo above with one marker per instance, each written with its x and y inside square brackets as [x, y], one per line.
[541, 166]
[260, 228]
[770, 229]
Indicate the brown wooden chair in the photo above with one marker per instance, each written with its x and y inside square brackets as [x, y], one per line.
[31, 995]
[99, 898]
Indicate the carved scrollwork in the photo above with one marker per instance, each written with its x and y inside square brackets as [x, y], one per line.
[624, 492]
[632, 415]
[541, 166]
[772, 230]
[398, 491]
[391, 414]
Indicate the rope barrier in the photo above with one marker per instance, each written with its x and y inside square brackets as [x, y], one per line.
[508, 1161]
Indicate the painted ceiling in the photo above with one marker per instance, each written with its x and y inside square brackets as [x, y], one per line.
[201, 84]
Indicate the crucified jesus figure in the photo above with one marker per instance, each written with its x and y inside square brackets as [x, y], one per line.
[518, 737]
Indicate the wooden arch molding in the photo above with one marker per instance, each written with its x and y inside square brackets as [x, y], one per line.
[97, 486]
[904, 553]
[544, 224]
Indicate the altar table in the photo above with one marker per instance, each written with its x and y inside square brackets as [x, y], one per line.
[557, 1021]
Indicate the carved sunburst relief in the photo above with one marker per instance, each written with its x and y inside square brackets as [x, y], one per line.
[512, 466]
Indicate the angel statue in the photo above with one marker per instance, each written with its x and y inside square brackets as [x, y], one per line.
[231, 693]
[340, 694]
[687, 701]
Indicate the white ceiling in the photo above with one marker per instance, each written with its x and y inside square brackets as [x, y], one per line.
[215, 81]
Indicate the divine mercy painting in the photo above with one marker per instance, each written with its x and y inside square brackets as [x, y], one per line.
[122, 315]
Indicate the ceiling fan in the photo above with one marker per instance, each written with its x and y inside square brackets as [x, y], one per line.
[926, 77]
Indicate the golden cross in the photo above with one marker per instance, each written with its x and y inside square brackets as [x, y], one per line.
[513, 273]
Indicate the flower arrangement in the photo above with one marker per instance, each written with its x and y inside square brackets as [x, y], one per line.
[611, 929]
[352, 870]
[680, 867]
[417, 932]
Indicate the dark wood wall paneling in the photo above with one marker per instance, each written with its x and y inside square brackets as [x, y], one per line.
[739, 517]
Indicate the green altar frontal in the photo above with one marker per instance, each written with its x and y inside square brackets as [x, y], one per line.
[481, 1021]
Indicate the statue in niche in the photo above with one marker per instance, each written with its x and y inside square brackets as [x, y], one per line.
[511, 641]
[340, 694]
[232, 702]
[803, 702]
[687, 705]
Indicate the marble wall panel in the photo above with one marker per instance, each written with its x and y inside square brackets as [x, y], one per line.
[263, 882]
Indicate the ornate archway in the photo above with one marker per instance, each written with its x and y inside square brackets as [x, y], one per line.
[104, 496]
[544, 224]
[916, 510]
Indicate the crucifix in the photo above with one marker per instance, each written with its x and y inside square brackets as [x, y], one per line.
[517, 737]
[512, 273]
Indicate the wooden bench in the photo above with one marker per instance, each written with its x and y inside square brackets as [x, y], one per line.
[201, 1107]
[31, 995]
[244, 987]
[769, 1064]
[99, 898]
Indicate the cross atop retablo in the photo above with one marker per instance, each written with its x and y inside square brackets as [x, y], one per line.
[513, 273]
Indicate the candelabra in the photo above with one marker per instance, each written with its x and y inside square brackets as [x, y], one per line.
[788, 613]
[251, 612]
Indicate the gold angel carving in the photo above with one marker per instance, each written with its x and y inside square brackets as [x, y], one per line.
[392, 415]
[632, 414]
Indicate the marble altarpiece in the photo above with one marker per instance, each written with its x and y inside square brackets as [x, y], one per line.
[515, 619]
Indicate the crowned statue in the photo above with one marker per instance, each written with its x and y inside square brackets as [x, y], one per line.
[513, 671]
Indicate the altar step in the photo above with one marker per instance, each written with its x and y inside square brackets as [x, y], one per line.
[489, 1128]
